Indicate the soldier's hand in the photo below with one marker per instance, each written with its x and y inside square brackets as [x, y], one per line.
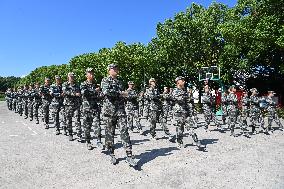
[124, 94]
[77, 94]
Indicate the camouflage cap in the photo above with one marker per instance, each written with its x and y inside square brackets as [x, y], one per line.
[112, 66]
[57, 77]
[71, 74]
[152, 80]
[47, 78]
[89, 70]
[130, 83]
[179, 78]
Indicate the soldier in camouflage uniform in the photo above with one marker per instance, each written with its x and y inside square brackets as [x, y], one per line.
[114, 113]
[20, 101]
[46, 100]
[232, 101]
[71, 92]
[255, 112]
[166, 105]
[8, 97]
[244, 112]
[152, 94]
[31, 101]
[91, 111]
[132, 107]
[25, 101]
[15, 100]
[271, 110]
[57, 101]
[207, 108]
[181, 113]
[37, 102]
[141, 103]
[146, 106]
[224, 105]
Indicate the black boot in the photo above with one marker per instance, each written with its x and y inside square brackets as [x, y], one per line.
[130, 159]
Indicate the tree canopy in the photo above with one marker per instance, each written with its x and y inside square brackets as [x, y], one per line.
[246, 41]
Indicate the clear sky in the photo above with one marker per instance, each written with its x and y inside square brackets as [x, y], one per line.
[36, 33]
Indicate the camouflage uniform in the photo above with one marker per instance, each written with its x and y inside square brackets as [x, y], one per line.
[20, 101]
[114, 113]
[37, 103]
[46, 100]
[14, 101]
[57, 104]
[224, 107]
[166, 105]
[255, 112]
[8, 97]
[91, 110]
[232, 101]
[141, 104]
[30, 103]
[26, 102]
[245, 112]
[132, 108]
[153, 95]
[272, 114]
[207, 110]
[71, 104]
[146, 106]
[181, 115]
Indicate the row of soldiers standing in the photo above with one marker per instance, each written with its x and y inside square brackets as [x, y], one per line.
[117, 108]
[120, 108]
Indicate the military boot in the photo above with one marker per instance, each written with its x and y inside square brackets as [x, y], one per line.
[64, 131]
[253, 129]
[130, 160]
[46, 126]
[99, 144]
[57, 132]
[196, 141]
[89, 145]
[70, 137]
[113, 160]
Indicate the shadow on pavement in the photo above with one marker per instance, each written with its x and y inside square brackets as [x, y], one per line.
[150, 155]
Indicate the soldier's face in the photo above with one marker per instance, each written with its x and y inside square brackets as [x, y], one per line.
[113, 72]
[58, 81]
[90, 75]
[130, 86]
[70, 78]
[47, 82]
[181, 83]
[153, 83]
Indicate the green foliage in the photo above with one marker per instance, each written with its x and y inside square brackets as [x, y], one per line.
[243, 38]
[280, 112]
[8, 82]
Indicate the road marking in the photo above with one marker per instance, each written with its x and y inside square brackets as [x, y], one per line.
[34, 133]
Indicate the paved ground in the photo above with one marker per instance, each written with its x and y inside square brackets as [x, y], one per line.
[32, 157]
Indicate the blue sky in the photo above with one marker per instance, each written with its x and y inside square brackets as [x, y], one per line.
[36, 33]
